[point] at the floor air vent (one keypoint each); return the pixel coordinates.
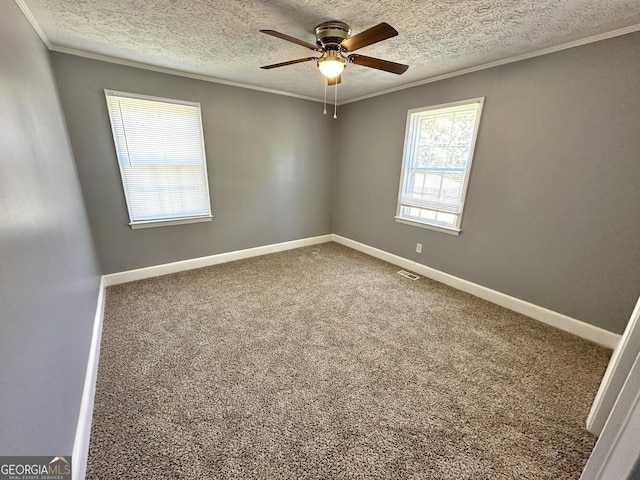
(409, 275)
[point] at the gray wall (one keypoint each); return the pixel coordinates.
(553, 208)
(48, 271)
(552, 213)
(270, 173)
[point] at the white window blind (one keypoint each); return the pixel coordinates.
(160, 150)
(437, 158)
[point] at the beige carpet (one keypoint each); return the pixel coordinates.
(324, 363)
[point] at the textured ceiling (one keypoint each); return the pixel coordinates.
(220, 39)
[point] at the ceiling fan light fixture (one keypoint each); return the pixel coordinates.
(331, 65)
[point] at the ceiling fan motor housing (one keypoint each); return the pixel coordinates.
(329, 35)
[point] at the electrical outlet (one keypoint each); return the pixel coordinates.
(419, 247)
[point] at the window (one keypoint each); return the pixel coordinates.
(438, 150)
(160, 151)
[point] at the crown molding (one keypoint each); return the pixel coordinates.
(497, 63)
(34, 23)
(171, 71)
(145, 66)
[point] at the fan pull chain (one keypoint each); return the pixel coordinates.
(324, 112)
(335, 103)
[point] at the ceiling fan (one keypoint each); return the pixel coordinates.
(335, 43)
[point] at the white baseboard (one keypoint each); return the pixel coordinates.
(563, 322)
(83, 429)
(168, 268)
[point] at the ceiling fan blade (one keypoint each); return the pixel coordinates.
(288, 38)
(380, 32)
(334, 80)
(290, 62)
(378, 64)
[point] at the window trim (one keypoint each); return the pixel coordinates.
(456, 229)
(183, 220)
(168, 223)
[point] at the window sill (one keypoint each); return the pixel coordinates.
(168, 223)
(437, 228)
